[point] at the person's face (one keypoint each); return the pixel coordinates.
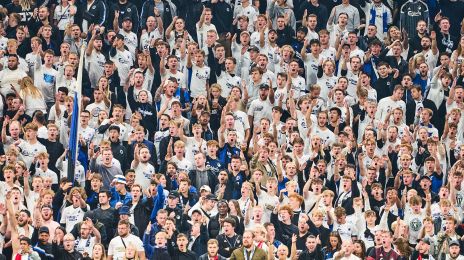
(445, 25)
(423, 247)
(72, 59)
(280, 23)
(46, 32)
(43, 237)
(12, 63)
(123, 230)
(20, 35)
(182, 243)
(300, 36)
(43, 14)
(85, 231)
(75, 32)
(46, 214)
(213, 249)
(97, 251)
(425, 43)
(342, 19)
(24, 246)
(322, 119)
(421, 27)
(103, 198)
(247, 239)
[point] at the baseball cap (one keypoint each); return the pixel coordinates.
(120, 179)
(425, 240)
(205, 188)
(454, 242)
(173, 194)
(44, 229)
(124, 210)
(211, 197)
(197, 210)
(253, 48)
(266, 86)
(302, 29)
(424, 177)
(127, 18)
(119, 36)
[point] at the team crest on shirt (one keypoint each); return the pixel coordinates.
(416, 224)
(128, 10)
(93, 7)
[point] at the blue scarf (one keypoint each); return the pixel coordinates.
(384, 18)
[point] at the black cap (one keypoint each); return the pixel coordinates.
(253, 48)
(454, 242)
(44, 229)
(265, 86)
(126, 18)
(424, 177)
(211, 197)
(272, 30)
(302, 29)
(425, 240)
(173, 194)
(119, 36)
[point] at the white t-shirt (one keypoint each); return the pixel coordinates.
(415, 224)
(117, 248)
(130, 40)
(260, 109)
(28, 151)
(386, 105)
(95, 66)
(143, 174)
(200, 77)
(123, 61)
(311, 65)
(227, 82)
(44, 80)
(85, 245)
(299, 87)
(63, 16)
(94, 110)
(71, 216)
(47, 174)
(193, 147)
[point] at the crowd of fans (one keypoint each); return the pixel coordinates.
(219, 129)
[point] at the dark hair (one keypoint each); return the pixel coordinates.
(230, 221)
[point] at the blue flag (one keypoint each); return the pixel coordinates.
(73, 139)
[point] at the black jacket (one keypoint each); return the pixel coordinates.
(125, 10)
(148, 10)
(200, 244)
(147, 111)
(214, 226)
(222, 16)
(97, 14)
(61, 254)
(142, 213)
(227, 246)
(205, 257)
(411, 110)
(212, 179)
(120, 153)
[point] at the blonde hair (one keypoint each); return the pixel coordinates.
(27, 88)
